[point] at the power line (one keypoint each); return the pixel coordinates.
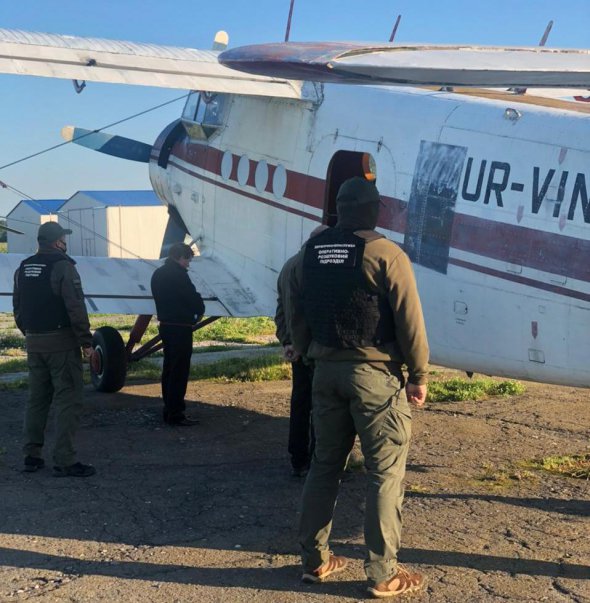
(16, 191)
(115, 123)
(81, 226)
(22, 194)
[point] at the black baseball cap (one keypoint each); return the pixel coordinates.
(51, 231)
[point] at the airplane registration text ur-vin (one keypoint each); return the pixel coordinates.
(486, 189)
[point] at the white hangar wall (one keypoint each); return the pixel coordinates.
(122, 224)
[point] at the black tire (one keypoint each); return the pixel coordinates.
(111, 360)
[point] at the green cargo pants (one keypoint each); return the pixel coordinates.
(54, 377)
(352, 398)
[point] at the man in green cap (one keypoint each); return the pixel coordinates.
(356, 313)
(49, 309)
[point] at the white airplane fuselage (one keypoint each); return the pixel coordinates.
(489, 198)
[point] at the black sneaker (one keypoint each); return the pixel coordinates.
(75, 470)
(32, 463)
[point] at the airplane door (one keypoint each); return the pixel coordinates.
(431, 208)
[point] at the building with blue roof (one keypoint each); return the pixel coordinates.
(27, 216)
(122, 224)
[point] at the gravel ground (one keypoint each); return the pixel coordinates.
(209, 513)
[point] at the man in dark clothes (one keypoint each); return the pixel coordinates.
(301, 439)
(49, 309)
(179, 307)
(301, 436)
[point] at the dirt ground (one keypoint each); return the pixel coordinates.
(209, 513)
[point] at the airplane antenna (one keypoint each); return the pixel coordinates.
(546, 34)
(394, 30)
(288, 31)
(542, 42)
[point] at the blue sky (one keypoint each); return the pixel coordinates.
(35, 109)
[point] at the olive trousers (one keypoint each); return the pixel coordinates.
(54, 378)
(352, 398)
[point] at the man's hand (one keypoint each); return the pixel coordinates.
(289, 353)
(416, 394)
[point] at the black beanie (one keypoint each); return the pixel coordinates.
(357, 191)
(357, 204)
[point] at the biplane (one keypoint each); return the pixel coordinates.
(484, 177)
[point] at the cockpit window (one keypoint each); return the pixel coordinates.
(203, 114)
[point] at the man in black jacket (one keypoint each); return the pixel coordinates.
(179, 308)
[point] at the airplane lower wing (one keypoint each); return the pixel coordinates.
(122, 286)
(100, 60)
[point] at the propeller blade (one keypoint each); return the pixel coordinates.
(110, 144)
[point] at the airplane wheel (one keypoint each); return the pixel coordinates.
(109, 368)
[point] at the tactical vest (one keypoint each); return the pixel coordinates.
(42, 310)
(341, 308)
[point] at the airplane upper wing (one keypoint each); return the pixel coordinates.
(122, 286)
(416, 65)
(100, 60)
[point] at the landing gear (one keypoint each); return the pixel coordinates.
(109, 365)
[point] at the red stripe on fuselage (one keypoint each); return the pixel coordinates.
(548, 252)
(522, 280)
(300, 187)
(243, 193)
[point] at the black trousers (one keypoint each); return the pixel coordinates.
(178, 348)
(301, 437)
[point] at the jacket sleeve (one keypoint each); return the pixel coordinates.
(16, 303)
(193, 298)
(295, 317)
(66, 283)
(283, 302)
(410, 330)
(281, 331)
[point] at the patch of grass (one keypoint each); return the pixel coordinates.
(10, 340)
(3, 247)
(417, 489)
(458, 390)
(500, 477)
(17, 365)
(238, 330)
(233, 330)
(574, 465)
(219, 347)
(144, 369)
(10, 386)
(266, 367)
(14, 352)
